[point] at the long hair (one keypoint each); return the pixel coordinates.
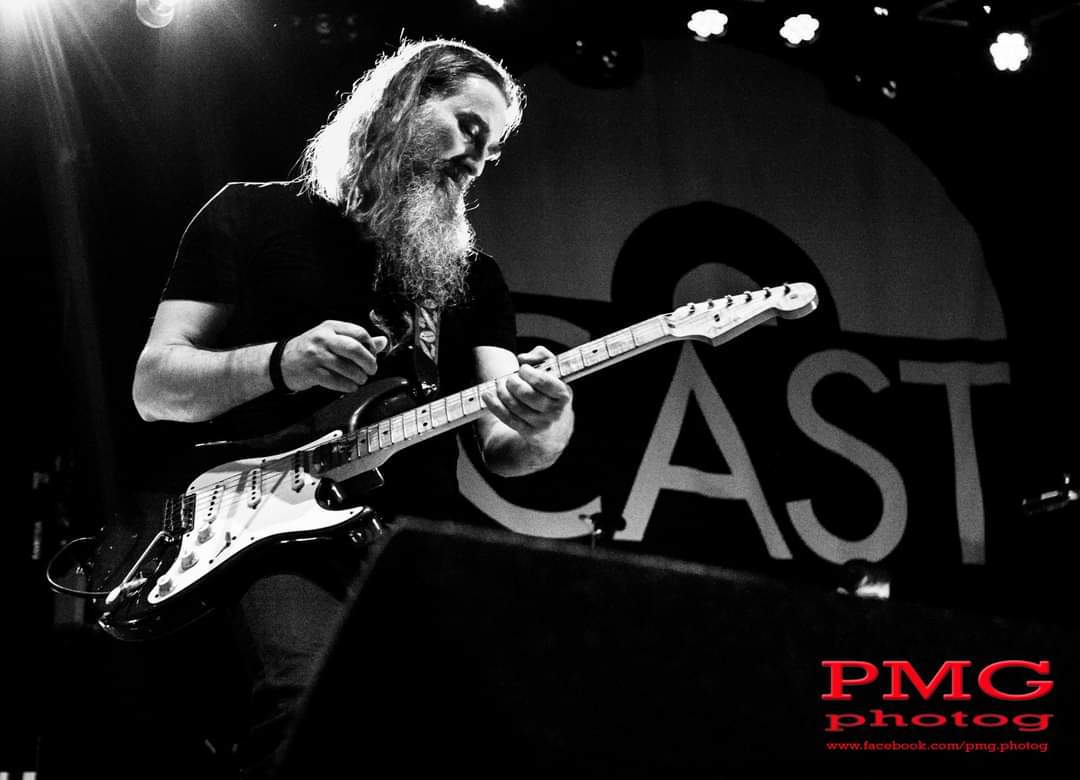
(357, 156)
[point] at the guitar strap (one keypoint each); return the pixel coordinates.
(426, 320)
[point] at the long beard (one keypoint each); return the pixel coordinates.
(426, 247)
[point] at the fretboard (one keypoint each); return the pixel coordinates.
(713, 321)
(456, 409)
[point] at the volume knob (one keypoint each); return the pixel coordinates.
(187, 560)
(204, 533)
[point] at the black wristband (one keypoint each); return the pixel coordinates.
(276, 379)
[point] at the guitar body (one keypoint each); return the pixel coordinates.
(170, 561)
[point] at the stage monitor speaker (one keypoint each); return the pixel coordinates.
(483, 652)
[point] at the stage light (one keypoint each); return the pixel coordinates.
(880, 10)
(18, 7)
(606, 57)
(1010, 51)
(708, 24)
(868, 87)
(155, 13)
(352, 28)
(324, 29)
(14, 11)
(799, 29)
(494, 5)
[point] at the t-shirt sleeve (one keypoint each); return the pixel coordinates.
(489, 317)
(211, 252)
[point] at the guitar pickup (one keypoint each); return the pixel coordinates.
(254, 488)
(299, 467)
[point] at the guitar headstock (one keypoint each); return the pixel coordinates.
(719, 319)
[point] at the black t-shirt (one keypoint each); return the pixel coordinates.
(286, 261)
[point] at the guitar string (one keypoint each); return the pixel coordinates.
(708, 309)
(234, 482)
(230, 487)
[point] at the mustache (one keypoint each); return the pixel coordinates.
(450, 177)
(437, 170)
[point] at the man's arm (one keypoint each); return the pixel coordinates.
(532, 415)
(181, 377)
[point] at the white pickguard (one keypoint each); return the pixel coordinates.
(240, 503)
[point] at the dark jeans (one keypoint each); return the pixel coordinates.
(282, 624)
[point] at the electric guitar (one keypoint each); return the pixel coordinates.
(285, 487)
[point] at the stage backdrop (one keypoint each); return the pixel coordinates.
(875, 428)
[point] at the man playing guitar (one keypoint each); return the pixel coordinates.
(284, 295)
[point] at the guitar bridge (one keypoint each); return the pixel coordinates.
(178, 516)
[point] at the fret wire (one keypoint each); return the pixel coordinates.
(409, 423)
(594, 352)
(483, 388)
(454, 407)
(571, 362)
(647, 332)
(470, 401)
(620, 342)
(423, 418)
(438, 413)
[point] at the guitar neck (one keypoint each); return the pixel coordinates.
(456, 409)
(713, 321)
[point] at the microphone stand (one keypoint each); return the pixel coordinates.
(604, 525)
